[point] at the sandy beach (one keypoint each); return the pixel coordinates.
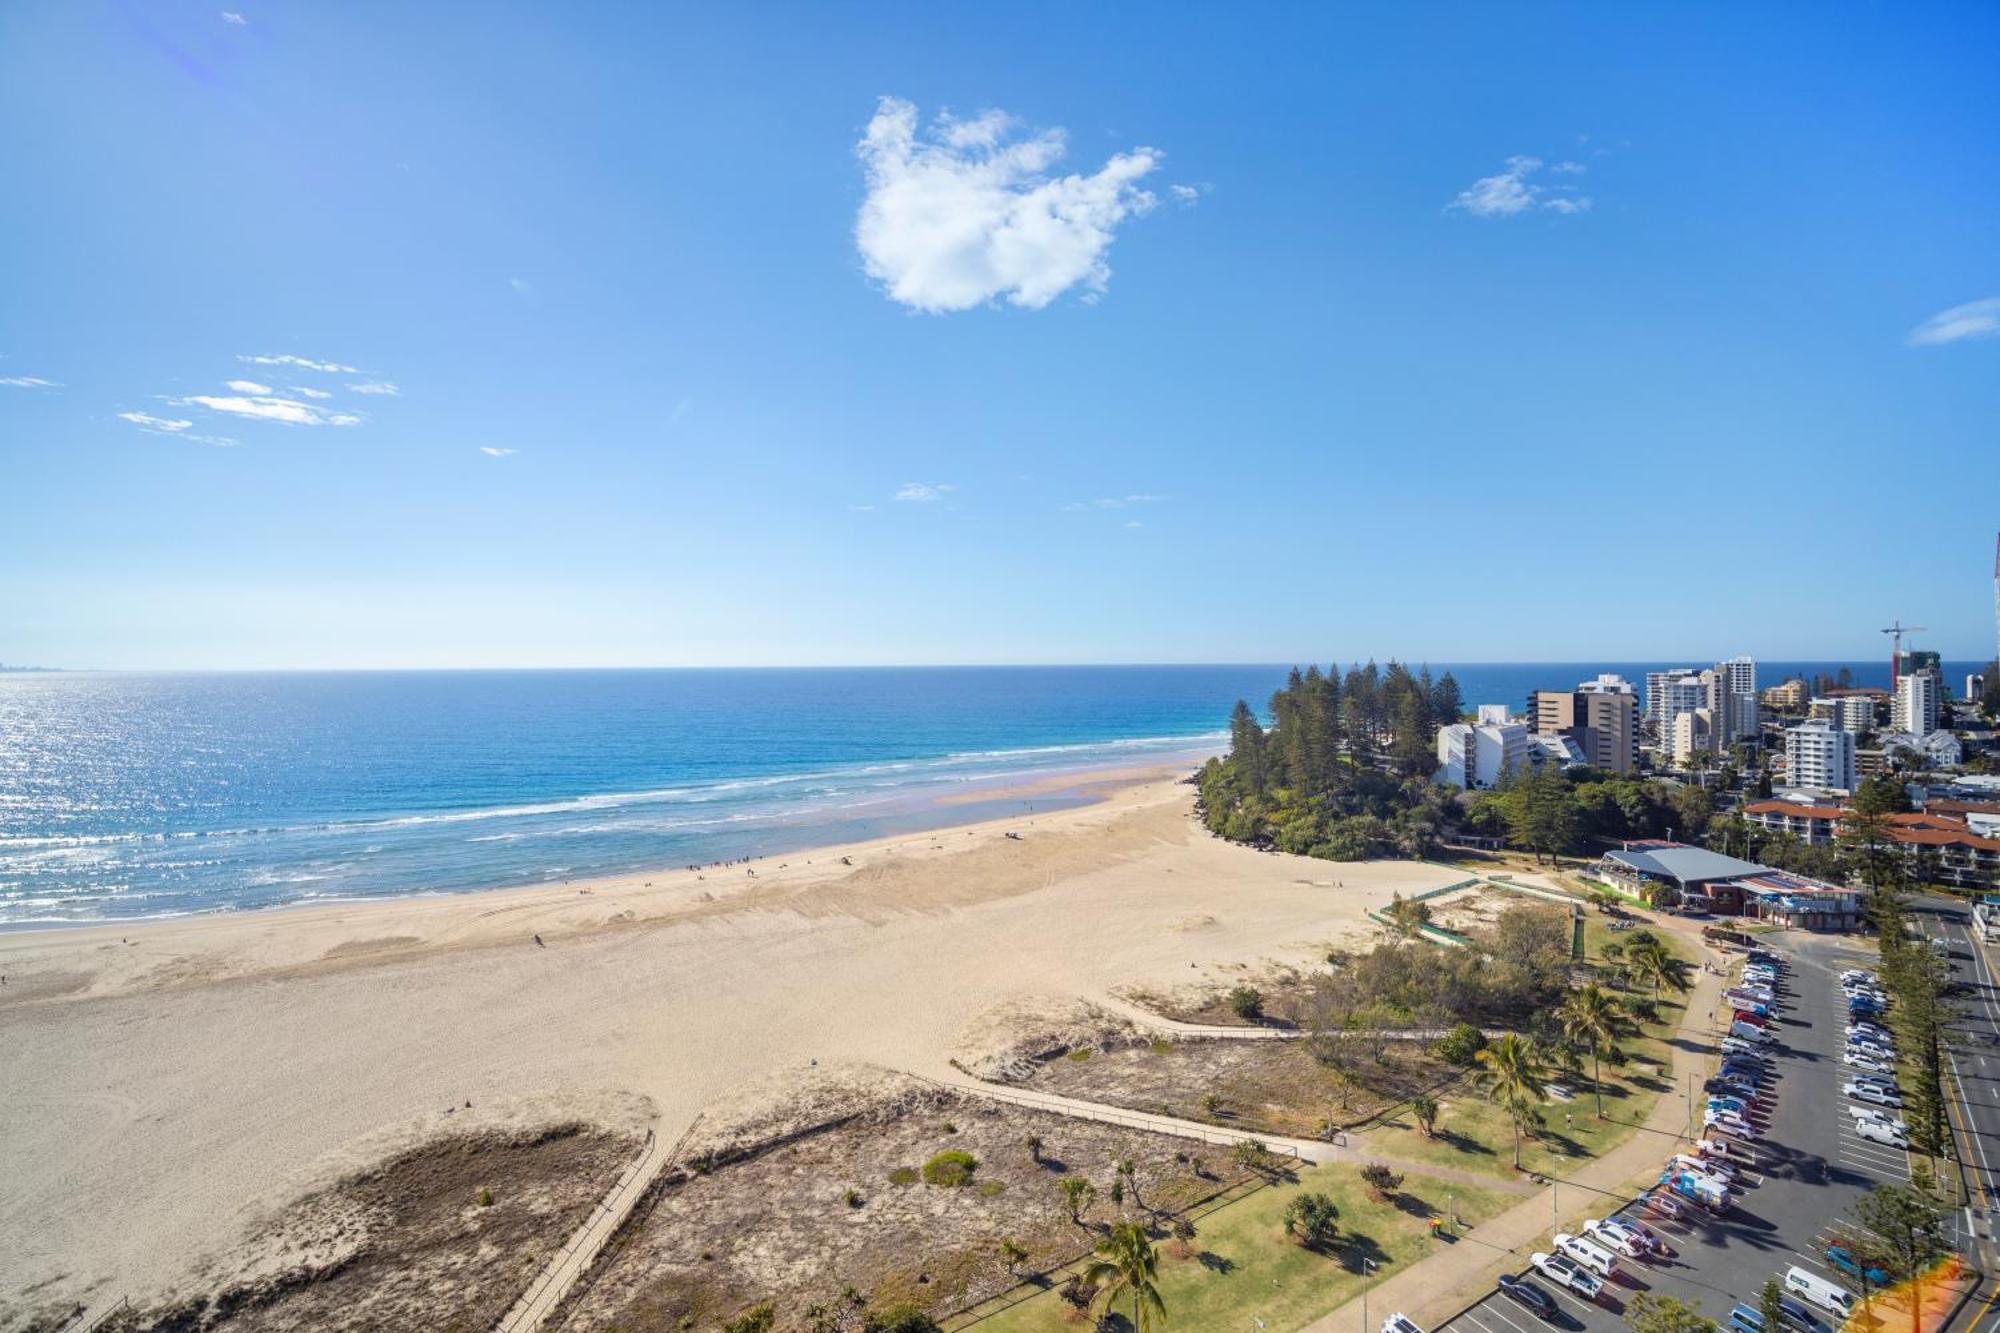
(168, 1083)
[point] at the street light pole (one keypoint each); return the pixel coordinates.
(1367, 1267)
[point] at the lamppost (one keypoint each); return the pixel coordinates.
(1367, 1267)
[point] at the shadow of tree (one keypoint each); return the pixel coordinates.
(1215, 1263)
(1358, 1249)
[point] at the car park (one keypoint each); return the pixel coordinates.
(1589, 1253)
(1526, 1294)
(1567, 1272)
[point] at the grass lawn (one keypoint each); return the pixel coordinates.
(1243, 1264)
(1474, 1135)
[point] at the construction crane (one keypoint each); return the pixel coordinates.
(1898, 630)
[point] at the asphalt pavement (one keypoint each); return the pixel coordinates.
(1807, 1169)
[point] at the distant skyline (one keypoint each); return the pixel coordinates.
(633, 336)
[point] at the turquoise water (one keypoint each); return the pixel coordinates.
(150, 795)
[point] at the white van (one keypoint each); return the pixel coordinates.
(1750, 1032)
(1826, 1295)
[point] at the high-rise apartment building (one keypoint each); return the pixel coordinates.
(1733, 700)
(1819, 754)
(1476, 755)
(1849, 712)
(1600, 716)
(1915, 707)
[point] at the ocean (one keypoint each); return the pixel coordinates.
(128, 796)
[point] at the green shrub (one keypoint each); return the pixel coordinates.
(950, 1167)
(989, 1188)
(1462, 1045)
(903, 1175)
(1080, 1053)
(485, 1197)
(757, 1319)
(1247, 1003)
(903, 1319)
(1312, 1220)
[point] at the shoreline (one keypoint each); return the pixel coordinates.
(673, 891)
(911, 813)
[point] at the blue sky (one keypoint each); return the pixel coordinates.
(1193, 335)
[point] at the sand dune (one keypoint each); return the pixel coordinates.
(166, 1083)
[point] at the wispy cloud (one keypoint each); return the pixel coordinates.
(1974, 319)
(493, 451)
(151, 422)
(1117, 502)
(1134, 523)
(231, 16)
(380, 388)
(923, 492)
(1511, 192)
(269, 407)
(300, 363)
(175, 428)
(966, 212)
(250, 386)
(28, 382)
(1187, 196)
(304, 392)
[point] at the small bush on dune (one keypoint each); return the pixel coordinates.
(950, 1167)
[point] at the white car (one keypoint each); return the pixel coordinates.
(1738, 1046)
(1400, 1323)
(1728, 1124)
(1876, 1115)
(1615, 1235)
(1857, 1060)
(1868, 1092)
(1890, 1132)
(1588, 1253)
(1567, 1272)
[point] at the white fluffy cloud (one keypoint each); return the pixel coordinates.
(923, 492)
(250, 386)
(1974, 319)
(1511, 192)
(965, 212)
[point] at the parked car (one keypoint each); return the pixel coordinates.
(1526, 1294)
(1616, 1235)
(1400, 1323)
(1890, 1134)
(1567, 1272)
(1868, 1092)
(1588, 1253)
(1663, 1204)
(1841, 1256)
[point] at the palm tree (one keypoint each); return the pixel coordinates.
(1511, 1070)
(1590, 1017)
(1652, 962)
(1125, 1266)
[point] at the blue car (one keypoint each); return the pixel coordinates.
(1843, 1259)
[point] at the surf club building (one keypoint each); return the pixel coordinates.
(1694, 880)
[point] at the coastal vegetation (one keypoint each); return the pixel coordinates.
(1344, 771)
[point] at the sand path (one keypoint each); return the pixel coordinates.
(162, 1091)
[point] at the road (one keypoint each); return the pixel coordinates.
(1808, 1170)
(1975, 1059)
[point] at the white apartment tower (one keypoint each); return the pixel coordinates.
(1915, 708)
(1819, 754)
(1476, 755)
(1734, 700)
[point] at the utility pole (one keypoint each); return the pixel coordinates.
(1367, 1267)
